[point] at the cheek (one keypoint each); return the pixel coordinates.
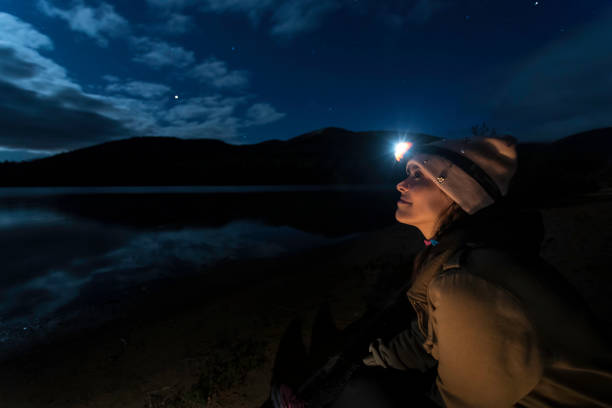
(438, 202)
(420, 211)
(433, 202)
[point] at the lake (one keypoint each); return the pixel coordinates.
(69, 249)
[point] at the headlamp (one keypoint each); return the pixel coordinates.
(401, 149)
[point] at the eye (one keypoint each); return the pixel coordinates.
(416, 174)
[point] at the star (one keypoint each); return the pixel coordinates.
(536, 3)
(175, 96)
(233, 48)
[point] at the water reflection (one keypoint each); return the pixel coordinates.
(64, 253)
(66, 259)
(16, 217)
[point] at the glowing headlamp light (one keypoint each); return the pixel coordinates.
(401, 149)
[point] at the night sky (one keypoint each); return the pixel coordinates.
(81, 72)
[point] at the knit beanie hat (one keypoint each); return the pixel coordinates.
(473, 172)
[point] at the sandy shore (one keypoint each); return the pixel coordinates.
(210, 340)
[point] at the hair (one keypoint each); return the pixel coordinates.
(449, 218)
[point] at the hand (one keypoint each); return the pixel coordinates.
(370, 360)
(373, 359)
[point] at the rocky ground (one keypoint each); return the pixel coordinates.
(210, 341)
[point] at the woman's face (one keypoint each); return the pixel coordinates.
(421, 202)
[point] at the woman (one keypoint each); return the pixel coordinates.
(500, 327)
(495, 324)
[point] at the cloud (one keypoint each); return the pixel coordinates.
(139, 116)
(253, 8)
(98, 23)
(423, 10)
(146, 90)
(215, 73)
(20, 60)
(12, 67)
(224, 128)
(7, 154)
(23, 66)
(40, 106)
(203, 108)
(287, 18)
(158, 54)
(563, 89)
(21, 34)
(110, 78)
(43, 110)
(170, 4)
(168, 22)
(31, 121)
(177, 24)
(301, 15)
(400, 14)
(211, 117)
(216, 117)
(262, 113)
(28, 69)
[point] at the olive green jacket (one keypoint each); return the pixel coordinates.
(503, 330)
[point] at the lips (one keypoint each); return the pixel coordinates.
(401, 201)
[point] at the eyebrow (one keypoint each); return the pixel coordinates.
(412, 167)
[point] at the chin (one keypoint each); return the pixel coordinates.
(404, 218)
(399, 218)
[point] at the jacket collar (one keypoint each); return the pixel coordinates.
(432, 259)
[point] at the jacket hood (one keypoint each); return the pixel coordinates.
(502, 226)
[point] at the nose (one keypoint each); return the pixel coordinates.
(402, 186)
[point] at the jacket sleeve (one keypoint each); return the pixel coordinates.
(487, 349)
(404, 351)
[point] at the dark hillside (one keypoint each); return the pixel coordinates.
(574, 165)
(326, 156)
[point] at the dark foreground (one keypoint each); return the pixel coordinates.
(210, 341)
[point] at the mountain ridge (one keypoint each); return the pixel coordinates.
(324, 156)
